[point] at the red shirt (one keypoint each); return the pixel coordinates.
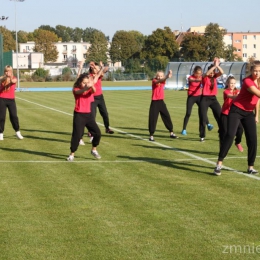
(246, 100)
(157, 90)
(98, 87)
(194, 87)
(227, 100)
(206, 91)
(83, 101)
(9, 93)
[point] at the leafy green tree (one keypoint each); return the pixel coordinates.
(140, 39)
(44, 42)
(193, 48)
(88, 34)
(160, 43)
(123, 46)
(8, 40)
(48, 28)
(77, 34)
(230, 55)
(98, 49)
(65, 33)
(215, 41)
(22, 36)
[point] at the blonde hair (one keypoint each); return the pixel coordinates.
(7, 68)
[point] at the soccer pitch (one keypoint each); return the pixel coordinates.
(142, 200)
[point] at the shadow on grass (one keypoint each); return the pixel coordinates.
(30, 152)
(45, 131)
(172, 164)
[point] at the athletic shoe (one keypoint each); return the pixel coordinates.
(151, 139)
(81, 142)
(91, 139)
(70, 158)
(210, 127)
(252, 171)
(95, 154)
(239, 147)
(217, 170)
(202, 139)
(183, 132)
(109, 131)
(174, 136)
(19, 136)
(1, 137)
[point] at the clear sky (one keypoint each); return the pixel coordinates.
(144, 16)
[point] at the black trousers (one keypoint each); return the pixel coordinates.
(9, 104)
(101, 105)
(205, 103)
(159, 107)
(191, 100)
(80, 120)
(247, 119)
(223, 130)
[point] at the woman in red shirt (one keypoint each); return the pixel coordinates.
(208, 98)
(7, 101)
(194, 96)
(242, 110)
(83, 90)
(158, 106)
(229, 94)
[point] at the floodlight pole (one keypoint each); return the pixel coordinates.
(16, 41)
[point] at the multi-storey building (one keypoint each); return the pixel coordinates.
(246, 43)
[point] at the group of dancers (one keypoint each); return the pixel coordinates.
(238, 114)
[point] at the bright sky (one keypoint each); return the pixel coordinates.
(144, 16)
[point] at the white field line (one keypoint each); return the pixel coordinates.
(155, 143)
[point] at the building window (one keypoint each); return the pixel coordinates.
(245, 46)
(64, 47)
(85, 47)
(238, 50)
(74, 56)
(245, 37)
(74, 47)
(65, 57)
(27, 48)
(85, 56)
(254, 46)
(245, 55)
(254, 55)
(254, 37)
(74, 65)
(237, 41)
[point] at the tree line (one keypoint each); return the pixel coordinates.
(136, 52)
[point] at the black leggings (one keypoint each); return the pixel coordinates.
(223, 130)
(80, 120)
(159, 107)
(191, 100)
(6, 103)
(205, 103)
(247, 119)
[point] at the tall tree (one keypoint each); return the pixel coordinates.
(214, 36)
(44, 43)
(77, 34)
(63, 32)
(230, 55)
(123, 46)
(140, 39)
(160, 43)
(8, 41)
(98, 49)
(193, 48)
(47, 28)
(88, 34)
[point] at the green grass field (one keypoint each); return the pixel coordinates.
(142, 200)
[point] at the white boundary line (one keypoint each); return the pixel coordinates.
(155, 143)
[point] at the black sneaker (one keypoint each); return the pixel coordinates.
(217, 171)
(108, 131)
(252, 171)
(174, 136)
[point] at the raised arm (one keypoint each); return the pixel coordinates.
(80, 68)
(168, 75)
